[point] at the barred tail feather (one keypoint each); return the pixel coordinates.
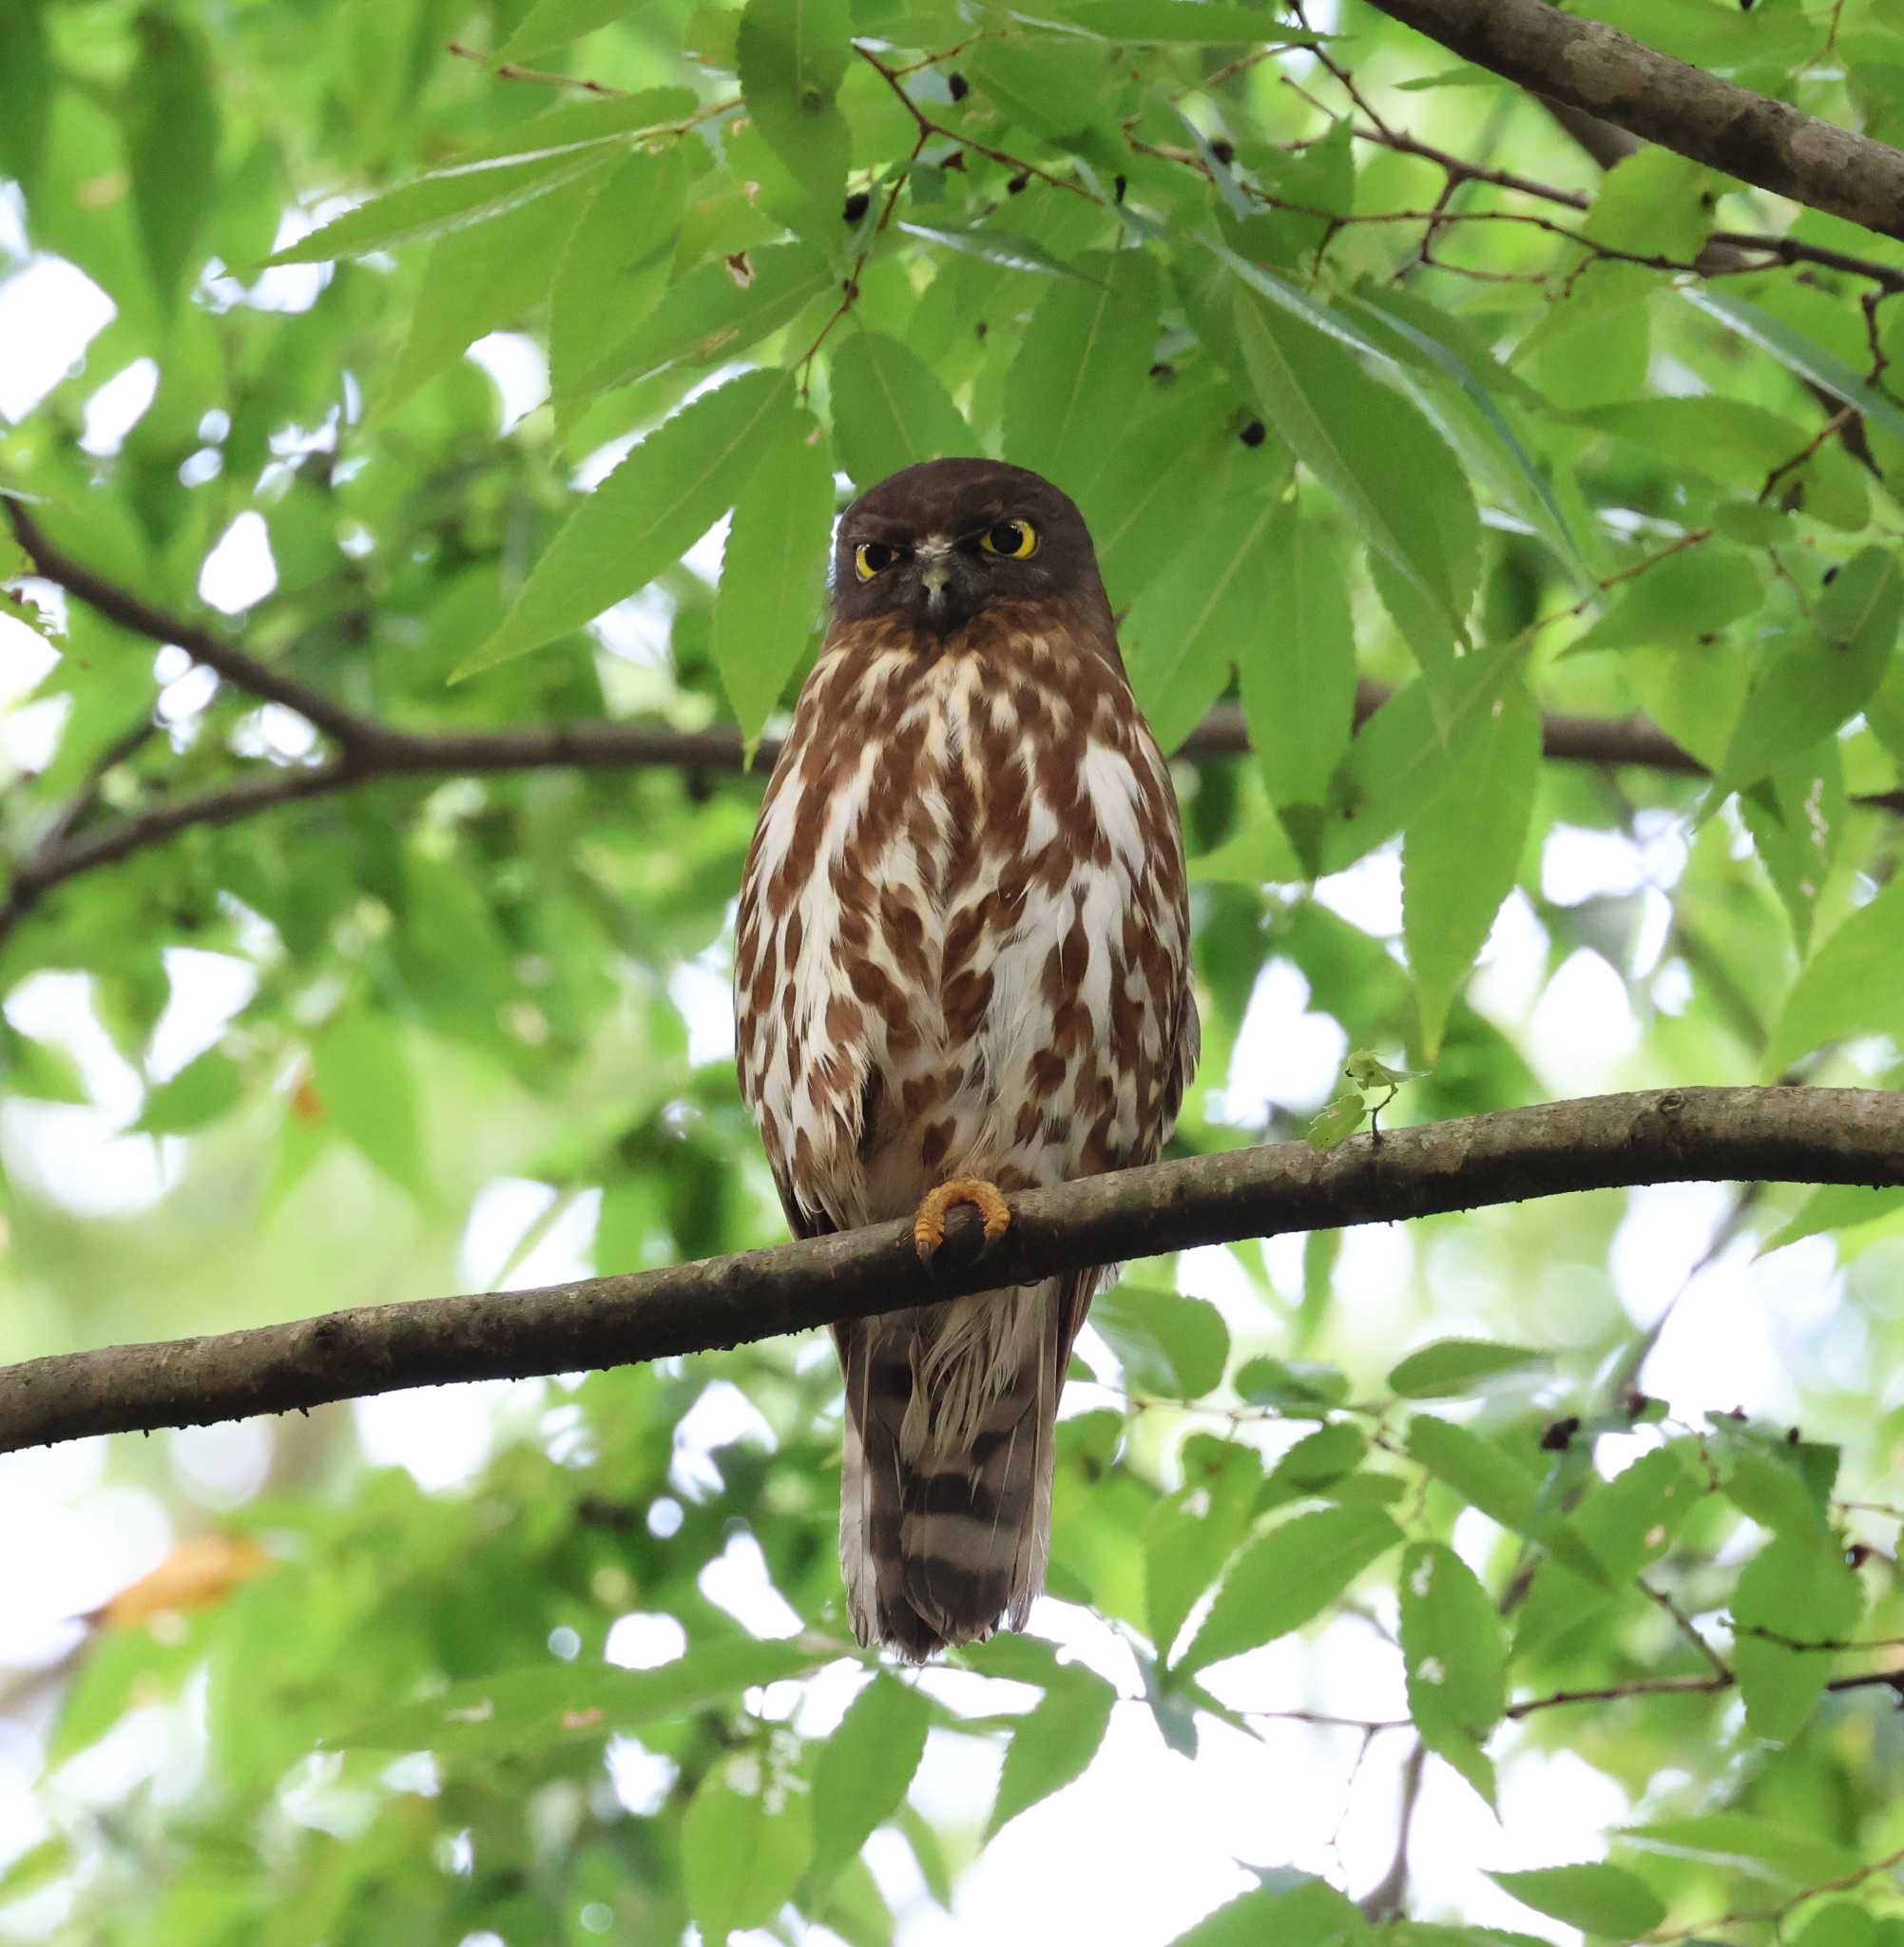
(946, 1485)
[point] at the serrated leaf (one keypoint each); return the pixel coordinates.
(1319, 1462)
(1082, 358)
(1297, 681)
(549, 23)
(865, 1766)
(1371, 449)
(1288, 1576)
(1052, 1743)
(1004, 249)
(1596, 1899)
(1188, 1536)
(1652, 204)
(791, 56)
(1451, 1367)
(1835, 1206)
(1798, 1586)
(1336, 1121)
(715, 312)
(1309, 1914)
(1488, 1477)
(1049, 91)
(662, 497)
(1167, 1342)
(1185, 628)
(773, 574)
(1811, 690)
(1682, 599)
(1849, 985)
(201, 1090)
(550, 1703)
(1298, 1385)
(1455, 1657)
(1768, 1848)
(745, 1838)
(1798, 351)
(1462, 850)
(614, 265)
(440, 204)
(890, 410)
(1157, 22)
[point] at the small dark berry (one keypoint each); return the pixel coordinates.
(980, 329)
(1118, 185)
(1224, 150)
(957, 86)
(1556, 1438)
(1016, 185)
(1162, 372)
(1829, 576)
(1253, 434)
(856, 206)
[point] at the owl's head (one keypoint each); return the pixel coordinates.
(939, 543)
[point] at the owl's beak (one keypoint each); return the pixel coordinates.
(934, 573)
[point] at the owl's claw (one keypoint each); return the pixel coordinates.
(929, 1226)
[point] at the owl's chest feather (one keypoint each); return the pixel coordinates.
(950, 911)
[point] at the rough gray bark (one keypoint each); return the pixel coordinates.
(1605, 73)
(1674, 1135)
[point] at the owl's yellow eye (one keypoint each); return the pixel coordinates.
(1015, 540)
(870, 558)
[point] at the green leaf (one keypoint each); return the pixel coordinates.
(478, 279)
(1052, 1743)
(865, 1766)
(1450, 1368)
(1299, 685)
(1298, 1387)
(1768, 1848)
(1082, 357)
(1652, 204)
(792, 57)
(1462, 851)
(1165, 1342)
(715, 312)
(171, 146)
(773, 575)
(1004, 249)
(39, 1069)
(1310, 1914)
(1799, 352)
(549, 23)
(890, 410)
(1490, 1479)
(1373, 451)
(1155, 23)
(662, 497)
(1189, 1534)
(1456, 1656)
(362, 1078)
(1049, 91)
(1185, 628)
(1835, 1206)
(1318, 1464)
(1596, 1899)
(1400, 756)
(551, 1703)
(452, 199)
(1810, 691)
(1288, 1576)
(1336, 1121)
(1682, 598)
(200, 1092)
(1849, 985)
(614, 265)
(745, 1838)
(1155, 484)
(1798, 1586)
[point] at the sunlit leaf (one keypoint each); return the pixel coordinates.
(864, 1769)
(1597, 1898)
(890, 410)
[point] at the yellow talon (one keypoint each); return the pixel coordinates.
(929, 1226)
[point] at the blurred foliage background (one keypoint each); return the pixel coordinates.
(1554, 1543)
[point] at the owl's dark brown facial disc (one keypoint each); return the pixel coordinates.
(916, 545)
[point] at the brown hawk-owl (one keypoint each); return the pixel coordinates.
(962, 966)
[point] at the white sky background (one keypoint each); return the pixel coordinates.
(1147, 1841)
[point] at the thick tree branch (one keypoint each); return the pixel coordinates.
(1675, 1135)
(1605, 73)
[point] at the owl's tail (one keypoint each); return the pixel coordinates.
(945, 1516)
